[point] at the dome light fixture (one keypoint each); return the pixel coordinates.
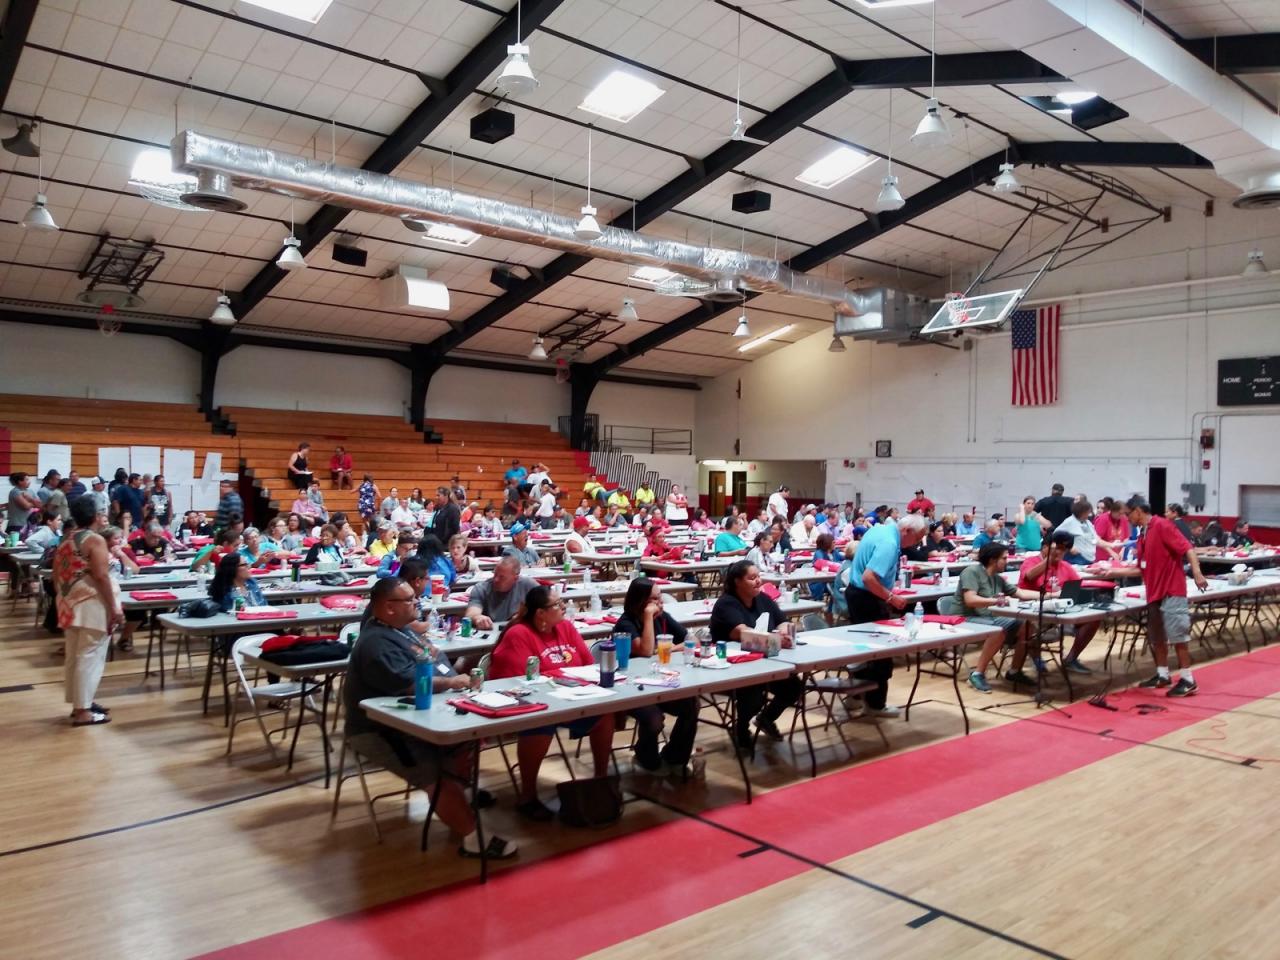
(222, 314)
(1006, 182)
(628, 311)
(291, 257)
(588, 227)
(932, 130)
(539, 352)
(889, 198)
(743, 328)
(517, 76)
(39, 217)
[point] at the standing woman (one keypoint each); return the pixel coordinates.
(88, 610)
(677, 508)
(1031, 526)
(299, 471)
(367, 502)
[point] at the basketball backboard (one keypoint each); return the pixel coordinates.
(967, 313)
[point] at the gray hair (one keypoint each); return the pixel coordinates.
(912, 522)
(993, 524)
(511, 560)
(154, 527)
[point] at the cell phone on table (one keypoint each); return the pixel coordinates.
(406, 700)
(570, 682)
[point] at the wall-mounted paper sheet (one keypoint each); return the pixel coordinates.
(144, 460)
(179, 466)
(212, 466)
(53, 456)
(111, 459)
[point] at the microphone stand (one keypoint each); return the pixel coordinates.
(1039, 698)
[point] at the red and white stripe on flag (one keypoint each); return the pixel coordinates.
(1034, 354)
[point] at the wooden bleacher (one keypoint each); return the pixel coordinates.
(479, 452)
(87, 424)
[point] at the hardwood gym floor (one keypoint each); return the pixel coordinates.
(1086, 834)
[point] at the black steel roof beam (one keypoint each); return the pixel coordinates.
(460, 83)
(1250, 53)
(930, 198)
(16, 27)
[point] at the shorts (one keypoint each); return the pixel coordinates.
(577, 728)
(422, 771)
(1173, 624)
(1010, 625)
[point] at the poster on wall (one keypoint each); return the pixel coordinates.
(179, 466)
(111, 459)
(144, 460)
(53, 456)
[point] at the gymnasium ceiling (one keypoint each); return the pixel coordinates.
(111, 78)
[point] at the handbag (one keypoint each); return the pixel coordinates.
(199, 609)
(590, 801)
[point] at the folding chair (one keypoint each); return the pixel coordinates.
(369, 799)
(286, 691)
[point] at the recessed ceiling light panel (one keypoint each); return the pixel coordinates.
(836, 167)
(309, 10)
(620, 96)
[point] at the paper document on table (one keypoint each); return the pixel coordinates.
(578, 693)
(494, 700)
(590, 674)
(762, 623)
(821, 641)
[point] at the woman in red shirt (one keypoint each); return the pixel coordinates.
(540, 630)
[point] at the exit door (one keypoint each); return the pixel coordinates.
(739, 488)
(715, 479)
(1156, 489)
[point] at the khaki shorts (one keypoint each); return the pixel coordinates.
(1171, 622)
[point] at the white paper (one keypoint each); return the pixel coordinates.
(179, 466)
(762, 623)
(144, 460)
(212, 466)
(578, 693)
(53, 456)
(494, 700)
(111, 459)
(822, 641)
(204, 496)
(179, 497)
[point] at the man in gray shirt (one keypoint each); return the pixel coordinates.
(496, 600)
(519, 548)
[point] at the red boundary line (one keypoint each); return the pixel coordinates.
(585, 900)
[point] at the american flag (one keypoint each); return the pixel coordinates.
(1035, 355)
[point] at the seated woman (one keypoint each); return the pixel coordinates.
(824, 549)
(294, 533)
(439, 563)
(1051, 570)
(981, 590)
(464, 563)
(737, 610)
(781, 533)
(273, 538)
(643, 619)
(595, 519)
(304, 507)
(328, 547)
(701, 521)
(233, 580)
(251, 547)
(348, 539)
(299, 472)
(393, 562)
(385, 542)
(730, 542)
(224, 542)
(340, 467)
(761, 552)
(540, 630)
(657, 546)
(948, 521)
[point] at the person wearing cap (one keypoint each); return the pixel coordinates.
(921, 503)
(576, 541)
(98, 491)
(519, 547)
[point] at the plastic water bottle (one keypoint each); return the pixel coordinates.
(917, 618)
(593, 603)
(946, 575)
(586, 575)
(433, 619)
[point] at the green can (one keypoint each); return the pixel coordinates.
(531, 668)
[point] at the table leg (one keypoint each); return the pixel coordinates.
(906, 713)
(297, 726)
(804, 723)
(324, 726)
(956, 660)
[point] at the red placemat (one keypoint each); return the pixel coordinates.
(514, 710)
(267, 615)
(342, 601)
(152, 595)
(745, 657)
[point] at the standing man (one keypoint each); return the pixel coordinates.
(1161, 552)
(99, 494)
(1055, 508)
(447, 522)
(229, 503)
(870, 595)
(777, 505)
(129, 499)
(921, 504)
(78, 489)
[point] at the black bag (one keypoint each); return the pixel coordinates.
(300, 654)
(200, 609)
(590, 801)
(337, 579)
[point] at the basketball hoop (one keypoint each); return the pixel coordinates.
(961, 309)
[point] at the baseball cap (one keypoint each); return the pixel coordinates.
(93, 482)
(519, 527)
(580, 523)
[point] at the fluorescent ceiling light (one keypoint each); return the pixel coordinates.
(620, 96)
(451, 235)
(654, 275)
(836, 167)
(1073, 97)
(765, 338)
(308, 10)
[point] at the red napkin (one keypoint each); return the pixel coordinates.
(658, 580)
(677, 562)
(459, 597)
(952, 619)
(823, 565)
(358, 583)
(145, 561)
(267, 614)
(594, 621)
(342, 601)
(199, 541)
(745, 657)
(1241, 553)
(1133, 593)
(152, 595)
(925, 581)
(891, 623)
(770, 591)
(258, 571)
(899, 592)
(310, 541)
(470, 706)
(539, 536)
(1097, 584)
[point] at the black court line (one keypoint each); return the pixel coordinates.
(862, 882)
(921, 920)
(180, 815)
(20, 688)
(754, 851)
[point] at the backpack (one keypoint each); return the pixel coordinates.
(839, 606)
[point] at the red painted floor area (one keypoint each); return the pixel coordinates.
(572, 904)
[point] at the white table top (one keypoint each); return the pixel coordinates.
(304, 615)
(860, 642)
(710, 565)
(1229, 559)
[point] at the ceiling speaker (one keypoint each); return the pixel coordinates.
(751, 201)
(349, 254)
(493, 125)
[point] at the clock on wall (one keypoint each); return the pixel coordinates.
(884, 448)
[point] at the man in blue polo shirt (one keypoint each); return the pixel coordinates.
(870, 595)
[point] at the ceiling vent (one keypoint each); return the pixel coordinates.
(213, 192)
(1263, 193)
(407, 288)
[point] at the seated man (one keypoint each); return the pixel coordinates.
(730, 543)
(192, 526)
(644, 495)
(496, 600)
(991, 531)
(1059, 571)
(340, 467)
(966, 526)
(383, 662)
(620, 500)
(980, 590)
(805, 533)
(519, 548)
(151, 542)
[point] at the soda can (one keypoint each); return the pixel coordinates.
(238, 604)
(477, 678)
(531, 668)
(466, 626)
(722, 650)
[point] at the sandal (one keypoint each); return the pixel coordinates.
(496, 849)
(95, 719)
(125, 645)
(535, 810)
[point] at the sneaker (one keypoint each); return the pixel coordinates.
(885, 712)
(768, 728)
(1155, 681)
(1017, 676)
(1075, 666)
(1183, 688)
(854, 706)
(979, 682)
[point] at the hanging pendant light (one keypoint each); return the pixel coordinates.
(1006, 182)
(222, 314)
(890, 198)
(588, 227)
(21, 144)
(517, 76)
(744, 328)
(39, 217)
(628, 311)
(932, 130)
(539, 352)
(1254, 266)
(291, 257)
(837, 345)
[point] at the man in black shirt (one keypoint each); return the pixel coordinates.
(447, 521)
(382, 664)
(1055, 508)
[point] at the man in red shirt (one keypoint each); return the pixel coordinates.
(921, 504)
(1161, 551)
(1059, 571)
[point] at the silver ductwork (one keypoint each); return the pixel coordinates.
(270, 171)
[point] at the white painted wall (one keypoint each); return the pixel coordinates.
(55, 361)
(627, 404)
(281, 379)
(465, 393)
(678, 468)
